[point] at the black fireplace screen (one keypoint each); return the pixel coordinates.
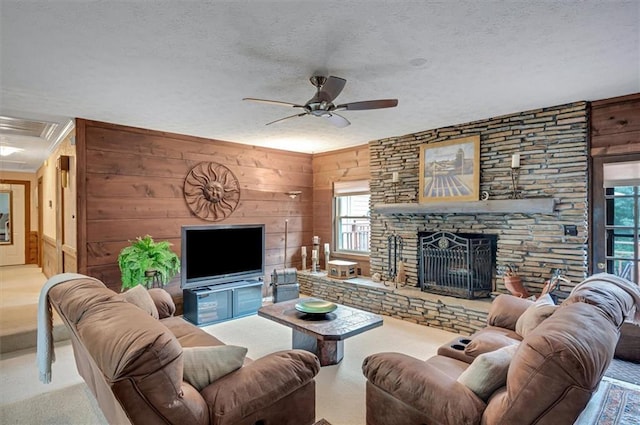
(455, 265)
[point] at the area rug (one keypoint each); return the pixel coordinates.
(615, 403)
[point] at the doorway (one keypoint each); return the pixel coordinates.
(616, 216)
(16, 211)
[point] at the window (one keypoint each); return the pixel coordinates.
(352, 229)
(622, 222)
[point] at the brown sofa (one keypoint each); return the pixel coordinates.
(133, 364)
(550, 378)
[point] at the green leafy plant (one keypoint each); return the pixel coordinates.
(142, 259)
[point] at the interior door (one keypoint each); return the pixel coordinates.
(13, 253)
(616, 216)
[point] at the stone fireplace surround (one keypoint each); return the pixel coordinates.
(553, 147)
(406, 303)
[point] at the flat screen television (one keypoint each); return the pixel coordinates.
(217, 254)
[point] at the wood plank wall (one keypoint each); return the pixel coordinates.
(49, 256)
(130, 183)
(32, 243)
(615, 126)
(342, 165)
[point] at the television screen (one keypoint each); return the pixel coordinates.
(216, 254)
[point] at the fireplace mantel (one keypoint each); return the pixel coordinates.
(522, 206)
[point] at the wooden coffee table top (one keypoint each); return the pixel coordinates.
(338, 325)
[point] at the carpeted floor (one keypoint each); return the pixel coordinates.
(340, 388)
(624, 371)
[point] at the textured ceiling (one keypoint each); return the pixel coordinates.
(184, 66)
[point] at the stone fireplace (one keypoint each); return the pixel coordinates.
(553, 147)
(460, 265)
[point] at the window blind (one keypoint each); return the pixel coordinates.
(619, 174)
(350, 187)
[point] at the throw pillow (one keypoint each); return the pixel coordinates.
(203, 365)
(163, 302)
(488, 371)
(535, 314)
(486, 342)
(139, 296)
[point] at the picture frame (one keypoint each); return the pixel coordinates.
(450, 170)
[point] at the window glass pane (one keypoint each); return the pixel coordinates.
(625, 190)
(622, 212)
(353, 231)
(622, 243)
(625, 268)
(357, 205)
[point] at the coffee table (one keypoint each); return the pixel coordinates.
(322, 335)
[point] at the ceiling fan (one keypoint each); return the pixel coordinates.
(321, 104)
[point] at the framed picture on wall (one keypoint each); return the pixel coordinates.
(450, 170)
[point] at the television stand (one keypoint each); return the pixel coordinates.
(216, 303)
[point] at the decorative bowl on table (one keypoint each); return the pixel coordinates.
(315, 306)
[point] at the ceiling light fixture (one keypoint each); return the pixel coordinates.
(293, 194)
(8, 150)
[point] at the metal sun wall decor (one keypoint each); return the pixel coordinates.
(212, 191)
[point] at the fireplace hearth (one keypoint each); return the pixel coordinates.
(460, 265)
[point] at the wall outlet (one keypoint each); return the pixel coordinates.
(570, 230)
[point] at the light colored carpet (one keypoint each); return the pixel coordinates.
(340, 388)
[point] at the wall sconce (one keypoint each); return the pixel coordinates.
(515, 174)
(395, 181)
(64, 165)
(293, 194)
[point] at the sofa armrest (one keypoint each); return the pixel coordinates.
(425, 387)
(505, 311)
(260, 384)
(163, 301)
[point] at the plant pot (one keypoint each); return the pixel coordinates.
(515, 287)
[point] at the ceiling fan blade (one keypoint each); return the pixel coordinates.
(369, 104)
(286, 118)
(332, 88)
(273, 102)
(338, 120)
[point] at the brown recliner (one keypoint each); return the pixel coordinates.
(552, 375)
(133, 364)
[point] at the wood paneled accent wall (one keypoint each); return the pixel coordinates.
(32, 243)
(342, 165)
(130, 183)
(615, 126)
(49, 256)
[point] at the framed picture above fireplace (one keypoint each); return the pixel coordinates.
(450, 170)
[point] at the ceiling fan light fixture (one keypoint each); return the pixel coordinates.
(321, 104)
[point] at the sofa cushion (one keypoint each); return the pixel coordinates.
(486, 342)
(535, 314)
(139, 296)
(204, 365)
(189, 335)
(163, 302)
(488, 372)
(505, 311)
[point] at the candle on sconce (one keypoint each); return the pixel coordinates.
(395, 177)
(515, 160)
(316, 240)
(304, 251)
(326, 247)
(314, 254)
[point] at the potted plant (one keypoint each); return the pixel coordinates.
(145, 260)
